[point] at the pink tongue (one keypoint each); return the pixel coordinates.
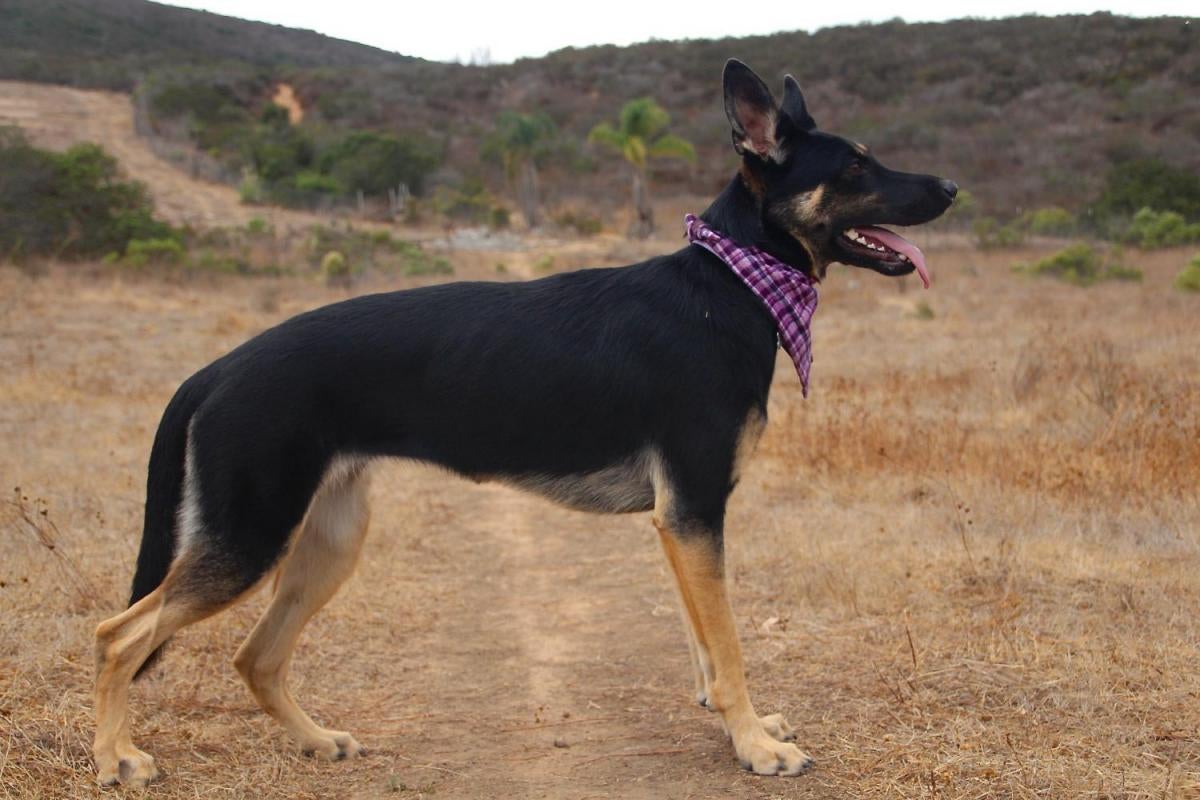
(900, 245)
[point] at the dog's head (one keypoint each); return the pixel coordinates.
(825, 193)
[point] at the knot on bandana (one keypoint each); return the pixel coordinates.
(789, 295)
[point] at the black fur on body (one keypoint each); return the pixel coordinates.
(596, 388)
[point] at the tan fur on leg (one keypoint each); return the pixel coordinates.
(322, 556)
(701, 663)
(122, 644)
(699, 572)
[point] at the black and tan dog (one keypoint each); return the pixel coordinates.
(642, 388)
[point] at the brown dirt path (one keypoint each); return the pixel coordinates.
(57, 117)
(555, 667)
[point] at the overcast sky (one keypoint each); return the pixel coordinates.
(454, 30)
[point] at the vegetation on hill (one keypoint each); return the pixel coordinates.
(114, 43)
(72, 204)
(1025, 113)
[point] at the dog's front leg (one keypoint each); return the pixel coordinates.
(696, 559)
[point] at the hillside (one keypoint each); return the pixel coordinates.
(1023, 112)
(111, 44)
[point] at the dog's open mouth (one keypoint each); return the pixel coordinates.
(888, 249)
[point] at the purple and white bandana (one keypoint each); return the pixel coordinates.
(789, 295)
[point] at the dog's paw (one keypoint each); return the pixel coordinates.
(133, 769)
(333, 746)
(775, 726)
(764, 755)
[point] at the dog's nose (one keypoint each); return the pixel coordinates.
(949, 187)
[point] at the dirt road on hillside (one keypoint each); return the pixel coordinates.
(57, 117)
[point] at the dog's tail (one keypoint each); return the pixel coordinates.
(164, 491)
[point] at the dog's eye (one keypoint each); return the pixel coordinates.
(857, 167)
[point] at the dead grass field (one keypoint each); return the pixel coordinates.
(967, 567)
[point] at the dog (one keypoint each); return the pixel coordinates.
(631, 389)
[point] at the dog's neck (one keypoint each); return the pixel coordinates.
(738, 213)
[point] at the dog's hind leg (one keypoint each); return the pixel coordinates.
(696, 559)
(322, 556)
(194, 588)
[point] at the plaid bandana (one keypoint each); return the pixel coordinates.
(789, 295)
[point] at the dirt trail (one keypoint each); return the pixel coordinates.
(58, 117)
(558, 643)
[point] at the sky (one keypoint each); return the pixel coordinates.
(497, 32)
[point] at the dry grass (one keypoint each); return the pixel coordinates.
(966, 567)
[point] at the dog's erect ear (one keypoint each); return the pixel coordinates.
(752, 113)
(794, 107)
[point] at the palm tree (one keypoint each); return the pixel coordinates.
(518, 141)
(639, 137)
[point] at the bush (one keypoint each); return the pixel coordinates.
(1052, 221)
(356, 251)
(1150, 228)
(315, 182)
(470, 204)
(276, 151)
(1150, 183)
(335, 268)
(990, 234)
(1081, 265)
(154, 252)
(69, 204)
(375, 162)
(251, 190)
(1188, 279)
(257, 226)
(415, 261)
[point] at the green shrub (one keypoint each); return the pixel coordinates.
(154, 252)
(471, 204)
(313, 181)
(70, 204)
(335, 268)
(1150, 228)
(413, 260)
(1081, 265)
(1188, 279)
(1052, 221)
(257, 226)
(375, 162)
(1150, 183)
(276, 151)
(361, 250)
(355, 246)
(251, 190)
(211, 261)
(990, 234)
